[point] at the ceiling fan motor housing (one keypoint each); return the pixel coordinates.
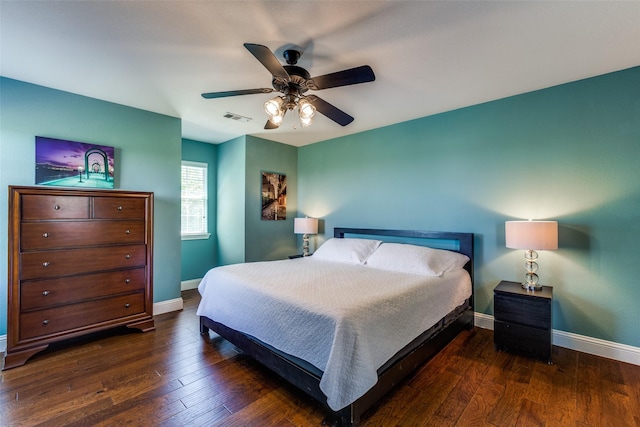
(297, 82)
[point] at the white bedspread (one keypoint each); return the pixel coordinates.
(347, 320)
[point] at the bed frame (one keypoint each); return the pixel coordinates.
(394, 371)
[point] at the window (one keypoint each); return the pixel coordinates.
(194, 201)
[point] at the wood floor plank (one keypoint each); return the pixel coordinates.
(516, 377)
(211, 405)
(394, 407)
(152, 413)
(50, 404)
(174, 376)
(531, 414)
(505, 412)
(77, 415)
(435, 389)
(589, 398)
(631, 375)
(560, 406)
(171, 393)
(617, 403)
(481, 404)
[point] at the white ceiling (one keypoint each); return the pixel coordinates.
(428, 56)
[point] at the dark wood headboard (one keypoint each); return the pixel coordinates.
(465, 240)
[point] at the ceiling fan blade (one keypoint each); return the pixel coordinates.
(332, 112)
(269, 60)
(351, 76)
(211, 95)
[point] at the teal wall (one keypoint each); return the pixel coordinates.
(198, 256)
(242, 235)
(230, 214)
(147, 155)
(269, 240)
(568, 153)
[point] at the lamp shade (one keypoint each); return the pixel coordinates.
(535, 235)
(305, 225)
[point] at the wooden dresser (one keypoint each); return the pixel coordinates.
(79, 261)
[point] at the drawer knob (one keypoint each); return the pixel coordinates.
(45, 293)
(119, 208)
(127, 232)
(56, 207)
(45, 322)
(127, 281)
(45, 235)
(45, 264)
(127, 305)
(127, 256)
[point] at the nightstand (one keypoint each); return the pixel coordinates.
(522, 320)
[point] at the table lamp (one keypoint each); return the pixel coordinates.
(305, 226)
(531, 236)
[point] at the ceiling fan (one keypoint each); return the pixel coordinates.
(293, 82)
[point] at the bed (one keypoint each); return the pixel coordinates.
(350, 322)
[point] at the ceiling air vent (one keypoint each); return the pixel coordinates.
(237, 117)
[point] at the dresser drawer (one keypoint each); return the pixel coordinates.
(530, 311)
(118, 207)
(69, 317)
(53, 292)
(65, 234)
(54, 207)
(70, 262)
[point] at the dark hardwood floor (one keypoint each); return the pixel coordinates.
(176, 377)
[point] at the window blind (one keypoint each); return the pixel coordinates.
(194, 198)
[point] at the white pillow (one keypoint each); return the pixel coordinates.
(349, 250)
(416, 259)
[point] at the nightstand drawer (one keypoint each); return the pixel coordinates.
(531, 311)
(522, 339)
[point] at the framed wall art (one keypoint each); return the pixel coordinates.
(73, 164)
(274, 196)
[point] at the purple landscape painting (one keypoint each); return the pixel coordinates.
(73, 164)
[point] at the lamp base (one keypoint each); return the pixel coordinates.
(305, 245)
(531, 287)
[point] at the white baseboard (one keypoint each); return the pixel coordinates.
(167, 306)
(610, 350)
(483, 321)
(176, 304)
(186, 285)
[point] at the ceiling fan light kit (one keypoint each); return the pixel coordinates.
(293, 81)
(277, 107)
(274, 106)
(306, 109)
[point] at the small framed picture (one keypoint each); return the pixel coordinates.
(274, 196)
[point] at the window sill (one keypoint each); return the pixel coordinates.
(203, 236)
